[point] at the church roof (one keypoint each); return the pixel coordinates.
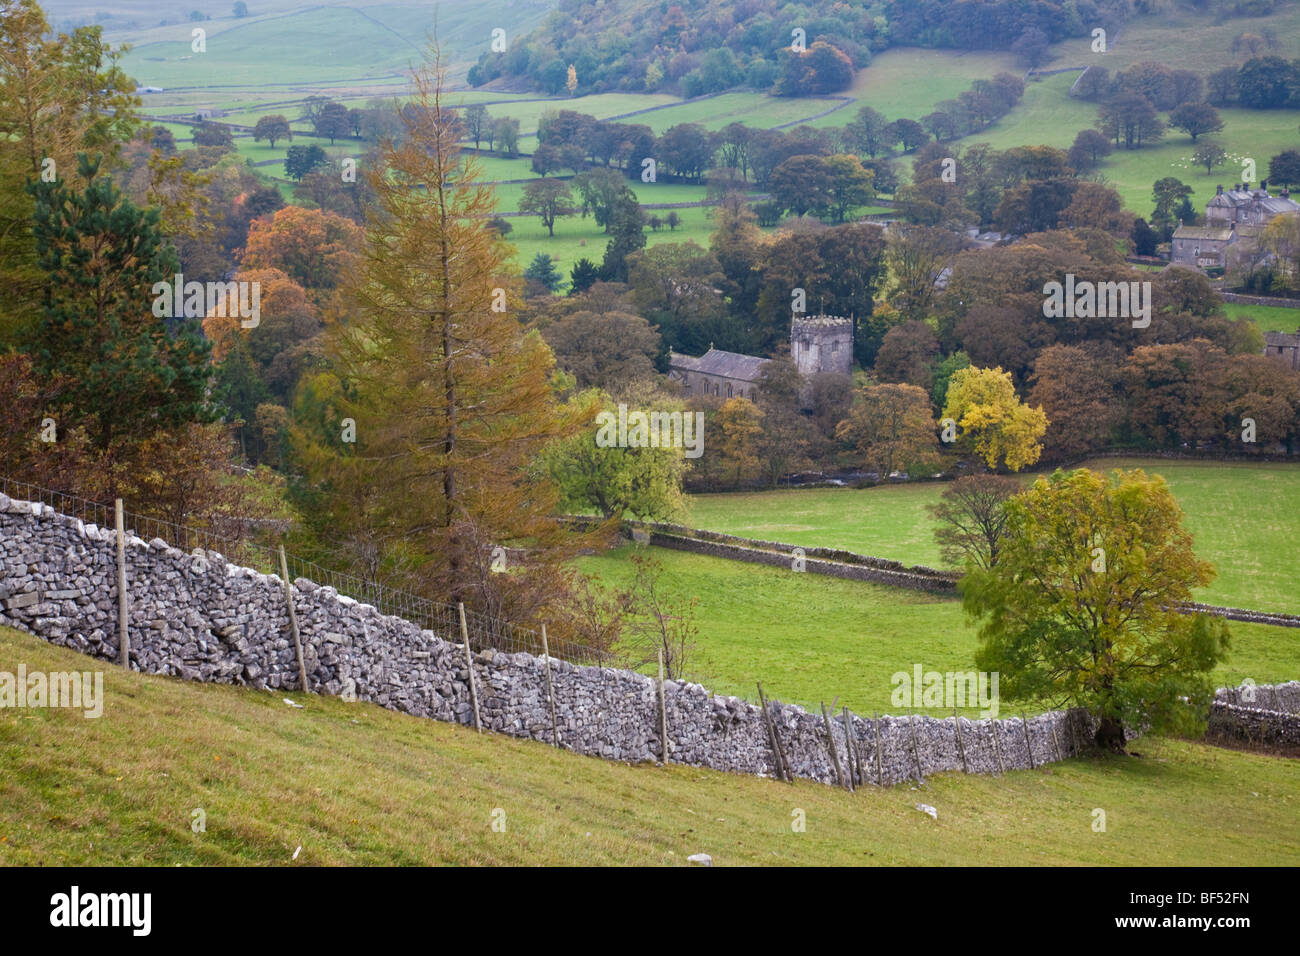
(734, 365)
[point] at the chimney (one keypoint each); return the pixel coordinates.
(1263, 186)
(1218, 190)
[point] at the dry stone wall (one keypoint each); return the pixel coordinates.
(1266, 715)
(202, 618)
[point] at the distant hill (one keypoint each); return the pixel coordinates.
(694, 47)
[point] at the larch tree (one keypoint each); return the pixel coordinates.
(446, 398)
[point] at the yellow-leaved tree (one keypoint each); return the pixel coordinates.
(991, 421)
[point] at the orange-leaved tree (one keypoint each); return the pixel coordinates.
(418, 436)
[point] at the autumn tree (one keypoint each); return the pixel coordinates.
(300, 160)
(1281, 237)
(316, 249)
(59, 95)
(1284, 168)
(1081, 608)
(450, 398)
(1078, 389)
(332, 122)
(802, 184)
(917, 256)
(477, 122)
(215, 135)
(972, 519)
(891, 428)
(1176, 392)
(548, 199)
(272, 128)
(908, 354)
(786, 435)
(732, 441)
(1195, 119)
(676, 279)
(606, 350)
(991, 421)
(621, 481)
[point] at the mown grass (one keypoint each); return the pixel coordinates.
(1269, 318)
(352, 784)
(810, 638)
(1245, 518)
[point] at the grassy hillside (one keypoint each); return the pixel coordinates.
(809, 638)
(315, 44)
(353, 784)
(1244, 517)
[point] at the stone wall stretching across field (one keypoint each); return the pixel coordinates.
(214, 621)
(858, 567)
(1267, 715)
(1269, 300)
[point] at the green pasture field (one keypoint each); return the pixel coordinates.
(1049, 116)
(1269, 318)
(908, 82)
(1245, 518)
(354, 784)
(810, 638)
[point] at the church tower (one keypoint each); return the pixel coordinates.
(822, 343)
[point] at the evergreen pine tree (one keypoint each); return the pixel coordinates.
(101, 255)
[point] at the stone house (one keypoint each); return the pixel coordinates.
(1236, 215)
(1284, 346)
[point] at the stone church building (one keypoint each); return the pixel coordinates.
(818, 343)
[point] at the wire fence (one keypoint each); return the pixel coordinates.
(484, 631)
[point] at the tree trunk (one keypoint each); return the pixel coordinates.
(1110, 735)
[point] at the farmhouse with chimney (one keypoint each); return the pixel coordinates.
(1238, 215)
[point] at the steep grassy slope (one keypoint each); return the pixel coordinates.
(354, 784)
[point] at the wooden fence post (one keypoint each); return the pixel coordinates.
(550, 690)
(1029, 748)
(916, 753)
(961, 747)
(1056, 742)
(293, 620)
(663, 713)
(778, 755)
(830, 744)
(854, 778)
(469, 663)
(880, 765)
(123, 599)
